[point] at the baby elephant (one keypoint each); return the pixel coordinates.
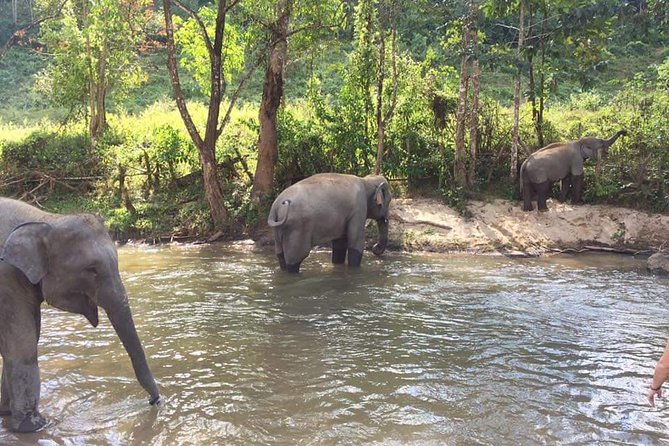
(70, 262)
(560, 162)
(329, 207)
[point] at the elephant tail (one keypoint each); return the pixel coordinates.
(522, 175)
(274, 218)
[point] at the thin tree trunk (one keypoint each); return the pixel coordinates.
(380, 125)
(476, 87)
(15, 13)
(213, 191)
(268, 151)
(515, 137)
(460, 153)
(542, 79)
(99, 90)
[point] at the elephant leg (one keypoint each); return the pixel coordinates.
(543, 189)
(339, 250)
(278, 248)
(24, 383)
(354, 257)
(4, 394)
(296, 247)
(20, 372)
(577, 188)
(528, 188)
(355, 231)
(282, 261)
(565, 183)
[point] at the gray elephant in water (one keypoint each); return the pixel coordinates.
(559, 162)
(70, 262)
(329, 207)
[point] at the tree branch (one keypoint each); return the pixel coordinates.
(200, 23)
(174, 75)
(240, 87)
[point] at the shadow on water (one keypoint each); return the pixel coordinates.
(425, 349)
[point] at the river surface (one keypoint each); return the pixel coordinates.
(409, 349)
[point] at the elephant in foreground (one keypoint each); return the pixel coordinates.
(560, 162)
(70, 262)
(329, 207)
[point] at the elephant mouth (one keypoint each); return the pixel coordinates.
(91, 313)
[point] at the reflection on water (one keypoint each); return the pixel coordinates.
(409, 349)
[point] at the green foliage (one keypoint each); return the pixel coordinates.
(194, 54)
(92, 43)
(63, 152)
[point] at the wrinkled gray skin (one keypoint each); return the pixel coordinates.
(71, 262)
(560, 162)
(329, 207)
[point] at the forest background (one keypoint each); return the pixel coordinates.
(178, 119)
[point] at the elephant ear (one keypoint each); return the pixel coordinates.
(382, 196)
(26, 249)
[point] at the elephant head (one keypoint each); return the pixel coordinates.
(76, 264)
(378, 206)
(591, 147)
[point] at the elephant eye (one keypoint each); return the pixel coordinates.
(91, 269)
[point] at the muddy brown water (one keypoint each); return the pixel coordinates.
(409, 349)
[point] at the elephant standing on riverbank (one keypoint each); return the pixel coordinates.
(329, 207)
(559, 162)
(70, 262)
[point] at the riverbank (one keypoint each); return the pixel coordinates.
(495, 225)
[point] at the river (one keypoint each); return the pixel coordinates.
(413, 349)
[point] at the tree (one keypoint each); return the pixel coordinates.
(515, 132)
(215, 55)
(304, 22)
(268, 150)
(374, 55)
(94, 47)
(465, 163)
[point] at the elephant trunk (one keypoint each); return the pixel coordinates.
(615, 137)
(380, 247)
(120, 317)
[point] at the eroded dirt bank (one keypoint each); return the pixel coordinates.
(424, 224)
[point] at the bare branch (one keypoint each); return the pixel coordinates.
(174, 75)
(393, 97)
(240, 87)
(200, 24)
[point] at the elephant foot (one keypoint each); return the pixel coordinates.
(294, 269)
(543, 209)
(528, 208)
(338, 256)
(4, 411)
(31, 422)
(354, 257)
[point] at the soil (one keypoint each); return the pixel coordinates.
(427, 224)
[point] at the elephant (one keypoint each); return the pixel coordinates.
(329, 207)
(560, 162)
(70, 262)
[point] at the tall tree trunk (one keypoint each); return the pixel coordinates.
(515, 136)
(380, 125)
(268, 151)
(542, 78)
(460, 117)
(476, 87)
(98, 122)
(213, 190)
